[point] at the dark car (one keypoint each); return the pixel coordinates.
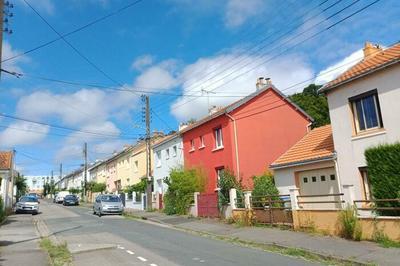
(70, 200)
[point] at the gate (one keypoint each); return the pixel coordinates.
(207, 205)
(274, 209)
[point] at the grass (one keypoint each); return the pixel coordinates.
(384, 241)
(59, 255)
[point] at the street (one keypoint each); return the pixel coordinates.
(116, 240)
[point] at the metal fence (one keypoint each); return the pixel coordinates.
(324, 201)
(380, 207)
(272, 209)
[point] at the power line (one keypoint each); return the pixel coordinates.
(162, 120)
(75, 31)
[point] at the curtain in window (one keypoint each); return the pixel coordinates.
(371, 117)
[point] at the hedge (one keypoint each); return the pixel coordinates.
(383, 163)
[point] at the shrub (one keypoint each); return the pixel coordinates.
(74, 190)
(384, 174)
(264, 188)
(246, 218)
(350, 227)
(2, 212)
(138, 187)
(95, 187)
(182, 183)
(227, 181)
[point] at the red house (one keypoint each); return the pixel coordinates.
(245, 136)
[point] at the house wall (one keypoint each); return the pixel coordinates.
(267, 126)
(163, 167)
(6, 183)
(350, 149)
(208, 158)
(124, 170)
(111, 176)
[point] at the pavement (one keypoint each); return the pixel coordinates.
(363, 252)
(116, 240)
(19, 242)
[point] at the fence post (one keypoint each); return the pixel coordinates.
(134, 197)
(247, 195)
(232, 198)
(294, 192)
(196, 204)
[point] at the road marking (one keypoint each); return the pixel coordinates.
(142, 259)
(120, 247)
(201, 260)
(153, 264)
(130, 252)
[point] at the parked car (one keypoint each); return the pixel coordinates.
(27, 204)
(71, 200)
(61, 195)
(55, 197)
(107, 204)
(32, 194)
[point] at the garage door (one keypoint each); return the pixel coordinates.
(319, 182)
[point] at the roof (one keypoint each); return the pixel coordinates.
(370, 64)
(166, 139)
(241, 102)
(317, 145)
(5, 160)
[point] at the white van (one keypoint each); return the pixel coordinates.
(60, 196)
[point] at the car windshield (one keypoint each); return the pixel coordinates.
(70, 197)
(28, 199)
(32, 194)
(110, 198)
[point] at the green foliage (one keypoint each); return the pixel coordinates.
(75, 190)
(22, 187)
(59, 255)
(264, 190)
(2, 211)
(350, 227)
(95, 187)
(383, 240)
(182, 183)
(46, 189)
(313, 103)
(384, 175)
(227, 181)
(138, 187)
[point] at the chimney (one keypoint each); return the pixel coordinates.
(262, 83)
(370, 49)
(213, 109)
(182, 126)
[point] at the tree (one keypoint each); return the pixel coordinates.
(264, 190)
(313, 103)
(227, 181)
(22, 187)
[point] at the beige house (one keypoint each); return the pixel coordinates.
(98, 172)
(364, 109)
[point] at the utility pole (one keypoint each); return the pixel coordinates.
(85, 171)
(60, 171)
(1, 28)
(149, 200)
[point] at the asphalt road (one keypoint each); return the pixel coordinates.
(143, 243)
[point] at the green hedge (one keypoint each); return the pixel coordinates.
(2, 211)
(383, 164)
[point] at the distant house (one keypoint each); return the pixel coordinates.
(35, 183)
(97, 172)
(246, 136)
(364, 110)
(168, 154)
(7, 177)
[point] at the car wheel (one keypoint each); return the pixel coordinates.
(94, 210)
(99, 213)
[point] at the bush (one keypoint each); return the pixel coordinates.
(350, 227)
(95, 187)
(138, 187)
(2, 212)
(227, 181)
(384, 175)
(74, 190)
(182, 184)
(264, 189)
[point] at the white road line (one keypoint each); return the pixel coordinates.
(142, 259)
(153, 264)
(121, 247)
(130, 252)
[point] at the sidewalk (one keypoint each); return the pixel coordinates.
(19, 242)
(362, 252)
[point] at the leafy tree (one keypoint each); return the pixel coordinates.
(264, 190)
(74, 190)
(95, 187)
(313, 103)
(227, 181)
(138, 187)
(22, 187)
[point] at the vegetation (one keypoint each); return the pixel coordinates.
(95, 187)
(384, 175)
(138, 187)
(227, 181)
(182, 183)
(22, 187)
(313, 103)
(246, 218)
(350, 227)
(59, 254)
(2, 211)
(74, 190)
(383, 240)
(264, 190)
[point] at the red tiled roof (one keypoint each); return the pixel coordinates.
(372, 63)
(5, 160)
(316, 145)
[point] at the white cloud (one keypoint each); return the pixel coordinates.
(160, 77)
(333, 71)
(22, 133)
(42, 5)
(284, 72)
(142, 61)
(238, 11)
(12, 65)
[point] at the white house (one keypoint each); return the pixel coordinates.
(35, 183)
(168, 154)
(7, 174)
(364, 106)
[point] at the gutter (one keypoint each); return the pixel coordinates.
(299, 163)
(236, 143)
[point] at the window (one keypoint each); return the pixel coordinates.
(174, 151)
(219, 172)
(333, 177)
(365, 183)
(202, 142)
(192, 145)
(322, 178)
(366, 111)
(314, 179)
(136, 165)
(305, 180)
(218, 138)
(158, 155)
(167, 154)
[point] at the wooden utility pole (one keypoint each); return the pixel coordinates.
(149, 200)
(60, 171)
(1, 28)
(85, 171)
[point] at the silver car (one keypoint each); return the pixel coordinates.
(27, 204)
(108, 204)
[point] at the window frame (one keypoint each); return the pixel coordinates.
(192, 145)
(202, 145)
(218, 135)
(366, 185)
(158, 156)
(174, 151)
(167, 155)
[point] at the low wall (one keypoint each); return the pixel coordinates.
(390, 226)
(325, 221)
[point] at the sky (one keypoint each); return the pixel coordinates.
(186, 55)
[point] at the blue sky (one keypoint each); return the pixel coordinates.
(159, 47)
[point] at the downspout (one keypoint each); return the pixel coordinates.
(338, 177)
(236, 143)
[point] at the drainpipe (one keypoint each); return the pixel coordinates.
(236, 142)
(338, 177)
